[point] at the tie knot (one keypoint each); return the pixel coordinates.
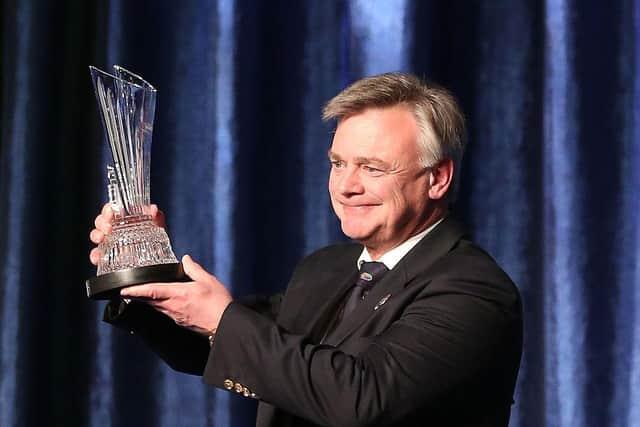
(371, 272)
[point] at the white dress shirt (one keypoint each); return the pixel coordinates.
(391, 258)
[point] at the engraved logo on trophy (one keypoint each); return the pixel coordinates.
(136, 251)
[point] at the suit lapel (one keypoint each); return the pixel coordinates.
(323, 297)
(330, 304)
(435, 245)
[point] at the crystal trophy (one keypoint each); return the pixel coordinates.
(136, 251)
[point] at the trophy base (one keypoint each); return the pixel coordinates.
(107, 286)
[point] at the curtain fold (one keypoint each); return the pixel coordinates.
(239, 165)
(563, 257)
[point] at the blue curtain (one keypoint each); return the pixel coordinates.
(551, 180)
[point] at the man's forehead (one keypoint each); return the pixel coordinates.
(357, 159)
(397, 119)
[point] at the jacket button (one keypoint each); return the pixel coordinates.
(246, 392)
(238, 387)
(228, 384)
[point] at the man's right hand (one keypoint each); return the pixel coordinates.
(103, 227)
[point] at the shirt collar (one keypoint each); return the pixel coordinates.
(391, 258)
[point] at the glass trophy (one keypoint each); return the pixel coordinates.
(136, 251)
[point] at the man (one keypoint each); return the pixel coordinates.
(436, 341)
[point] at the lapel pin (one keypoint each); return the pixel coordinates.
(382, 301)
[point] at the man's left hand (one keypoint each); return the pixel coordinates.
(196, 305)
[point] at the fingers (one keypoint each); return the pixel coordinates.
(94, 256)
(157, 216)
(107, 211)
(197, 305)
(194, 270)
(96, 236)
(167, 298)
(103, 221)
(103, 227)
(153, 291)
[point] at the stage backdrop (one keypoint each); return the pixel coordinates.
(551, 181)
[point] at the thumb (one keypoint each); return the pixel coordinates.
(194, 270)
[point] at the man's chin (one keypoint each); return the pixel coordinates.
(356, 233)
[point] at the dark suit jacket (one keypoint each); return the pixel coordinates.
(437, 342)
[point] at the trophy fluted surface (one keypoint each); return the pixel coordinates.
(136, 250)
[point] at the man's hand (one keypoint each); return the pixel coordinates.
(103, 227)
(196, 305)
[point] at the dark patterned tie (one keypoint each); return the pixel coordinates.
(370, 273)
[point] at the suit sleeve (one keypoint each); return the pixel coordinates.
(445, 340)
(181, 349)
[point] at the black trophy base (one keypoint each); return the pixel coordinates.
(107, 286)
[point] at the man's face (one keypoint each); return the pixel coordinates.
(378, 190)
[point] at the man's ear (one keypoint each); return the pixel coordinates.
(440, 177)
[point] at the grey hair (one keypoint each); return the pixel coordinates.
(438, 116)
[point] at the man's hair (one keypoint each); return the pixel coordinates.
(438, 116)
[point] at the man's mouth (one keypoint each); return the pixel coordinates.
(358, 207)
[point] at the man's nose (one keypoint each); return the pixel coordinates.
(350, 182)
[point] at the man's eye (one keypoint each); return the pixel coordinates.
(337, 164)
(373, 171)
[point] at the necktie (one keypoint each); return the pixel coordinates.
(370, 273)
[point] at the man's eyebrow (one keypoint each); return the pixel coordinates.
(332, 155)
(370, 160)
(363, 159)
(360, 160)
